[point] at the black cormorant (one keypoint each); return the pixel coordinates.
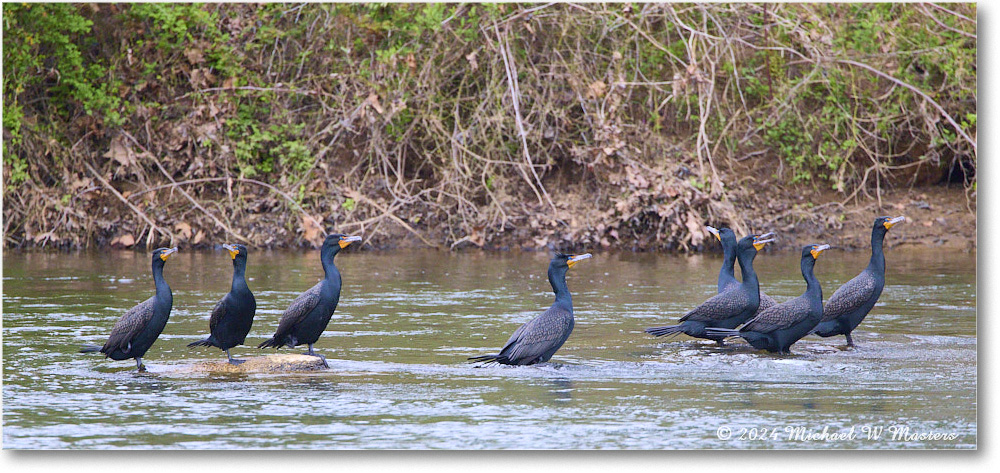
(136, 331)
(232, 317)
(304, 321)
(777, 328)
(733, 306)
(539, 338)
(727, 277)
(851, 302)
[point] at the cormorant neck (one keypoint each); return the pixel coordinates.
(878, 257)
(329, 269)
(728, 260)
(239, 276)
(158, 281)
(812, 284)
(557, 278)
(746, 269)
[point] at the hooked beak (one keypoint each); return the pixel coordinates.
(818, 249)
(714, 231)
(577, 258)
(347, 240)
(166, 254)
(892, 221)
(233, 250)
(760, 240)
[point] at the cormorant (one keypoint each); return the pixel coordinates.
(777, 328)
(733, 306)
(304, 321)
(136, 331)
(233, 315)
(539, 338)
(851, 302)
(727, 278)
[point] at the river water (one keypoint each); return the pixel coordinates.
(407, 320)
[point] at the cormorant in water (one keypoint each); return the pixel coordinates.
(733, 306)
(777, 328)
(539, 338)
(851, 302)
(136, 331)
(233, 315)
(727, 278)
(304, 321)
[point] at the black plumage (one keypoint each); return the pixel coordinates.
(731, 307)
(307, 317)
(852, 301)
(777, 328)
(539, 338)
(135, 332)
(727, 274)
(232, 316)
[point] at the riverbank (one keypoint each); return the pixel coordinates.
(501, 127)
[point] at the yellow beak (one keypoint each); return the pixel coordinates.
(892, 221)
(818, 250)
(347, 240)
(577, 258)
(166, 254)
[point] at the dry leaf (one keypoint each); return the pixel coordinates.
(471, 57)
(198, 237)
(695, 228)
(126, 240)
(596, 90)
(183, 229)
(373, 101)
(194, 56)
(120, 153)
(311, 231)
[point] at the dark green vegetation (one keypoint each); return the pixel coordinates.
(488, 125)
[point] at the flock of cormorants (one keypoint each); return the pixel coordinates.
(766, 324)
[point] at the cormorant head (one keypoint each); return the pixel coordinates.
(725, 236)
(561, 260)
(160, 255)
(812, 252)
(883, 224)
(334, 242)
(236, 251)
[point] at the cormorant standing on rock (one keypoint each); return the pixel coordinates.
(232, 317)
(136, 331)
(304, 321)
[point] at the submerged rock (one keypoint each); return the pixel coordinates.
(262, 364)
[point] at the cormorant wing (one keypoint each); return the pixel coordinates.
(217, 313)
(127, 327)
(299, 308)
(778, 317)
(766, 302)
(719, 307)
(849, 297)
(537, 335)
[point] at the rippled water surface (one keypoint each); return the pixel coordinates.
(407, 321)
